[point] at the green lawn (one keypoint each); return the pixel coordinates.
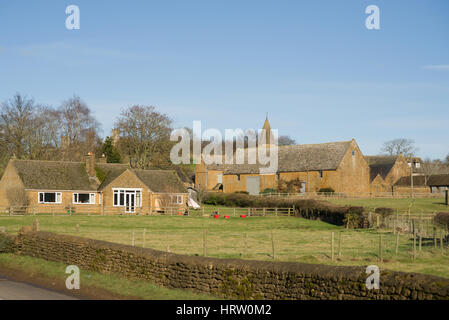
(111, 283)
(295, 239)
(418, 205)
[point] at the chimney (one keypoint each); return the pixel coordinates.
(103, 159)
(115, 137)
(90, 164)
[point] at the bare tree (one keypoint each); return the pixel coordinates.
(17, 196)
(286, 141)
(399, 146)
(16, 118)
(433, 167)
(79, 128)
(145, 137)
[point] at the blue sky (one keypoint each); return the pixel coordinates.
(312, 65)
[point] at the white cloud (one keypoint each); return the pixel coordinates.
(437, 67)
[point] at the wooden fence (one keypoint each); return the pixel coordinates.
(171, 211)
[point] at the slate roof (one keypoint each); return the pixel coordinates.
(53, 175)
(297, 158)
(438, 180)
(63, 175)
(380, 165)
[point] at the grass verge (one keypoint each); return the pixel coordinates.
(93, 285)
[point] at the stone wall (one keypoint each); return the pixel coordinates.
(228, 278)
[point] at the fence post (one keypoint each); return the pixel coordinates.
(132, 239)
(339, 244)
(441, 241)
(272, 243)
(245, 253)
(377, 221)
(77, 228)
(205, 242)
(414, 246)
(420, 242)
(397, 243)
(332, 246)
(380, 248)
(168, 248)
(143, 241)
(435, 237)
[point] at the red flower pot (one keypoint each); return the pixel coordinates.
(216, 216)
(227, 217)
(243, 216)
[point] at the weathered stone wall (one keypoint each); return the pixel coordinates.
(228, 278)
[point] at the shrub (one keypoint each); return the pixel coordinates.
(352, 217)
(6, 243)
(268, 191)
(442, 220)
(384, 214)
(326, 190)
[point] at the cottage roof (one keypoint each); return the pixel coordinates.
(380, 165)
(437, 180)
(161, 180)
(297, 158)
(53, 175)
(63, 175)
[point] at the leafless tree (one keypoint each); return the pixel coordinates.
(286, 141)
(399, 146)
(17, 197)
(79, 128)
(145, 137)
(16, 118)
(433, 167)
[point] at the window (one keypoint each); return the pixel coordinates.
(84, 198)
(417, 165)
(238, 177)
(320, 173)
(127, 197)
(220, 178)
(353, 153)
(50, 197)
(178, 199)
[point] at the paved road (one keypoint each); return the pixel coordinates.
(11, 290)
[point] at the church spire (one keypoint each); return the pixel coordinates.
(267, 128)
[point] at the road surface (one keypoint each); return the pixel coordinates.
(12, 290)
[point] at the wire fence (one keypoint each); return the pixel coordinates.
(355, 195)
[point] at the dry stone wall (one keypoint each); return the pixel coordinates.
(227, 278)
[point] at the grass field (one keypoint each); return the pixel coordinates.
(55, 271)
(426, 205)
(295, 239)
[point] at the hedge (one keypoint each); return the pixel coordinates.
(352, 217)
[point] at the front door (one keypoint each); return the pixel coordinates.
(130, 202)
